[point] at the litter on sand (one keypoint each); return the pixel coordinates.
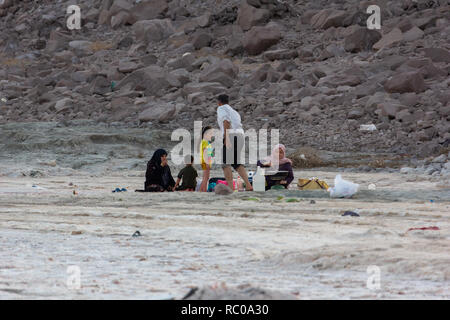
(119, 190)
(350, 213)
(424, 228)
(136, 234)
(343, 188)
(367, 127)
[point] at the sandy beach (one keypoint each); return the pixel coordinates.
(278, 240)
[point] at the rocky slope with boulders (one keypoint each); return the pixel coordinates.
(309, 68)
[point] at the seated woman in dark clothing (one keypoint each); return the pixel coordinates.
(277, 161)
(158, 177)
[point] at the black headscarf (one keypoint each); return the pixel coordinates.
(156, 159)
(157, 174)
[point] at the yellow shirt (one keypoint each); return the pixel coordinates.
(206, 145)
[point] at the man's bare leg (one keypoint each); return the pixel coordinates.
(243, 173)
(228, 176)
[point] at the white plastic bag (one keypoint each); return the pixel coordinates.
(343, 188)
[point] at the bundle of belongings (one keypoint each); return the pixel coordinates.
(213, 182)
(312, 184)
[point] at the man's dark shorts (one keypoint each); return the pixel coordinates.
(233, 158)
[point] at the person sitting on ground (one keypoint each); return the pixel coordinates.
(188, 175)
(158, 176)
(206, 153)
(278, 161)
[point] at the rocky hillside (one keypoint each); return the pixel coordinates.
(309, 68)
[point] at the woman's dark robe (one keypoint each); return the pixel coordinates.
(157, 177)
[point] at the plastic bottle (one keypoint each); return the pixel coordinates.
(259, 180)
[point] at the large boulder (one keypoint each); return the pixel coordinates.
(119, 19)
(327, 18)
(361, 39)
(425, 66)
(263, 73)
(406, 82)
(63, 105)
(223, 72)
(101, 85)
(280, 54)
(413, 34)
(153, 80)
(202, 40)
(118, 6)
(57, 42)
(234, 46)
(204, 87)
(148, 10)
(341, 79)
(389, 39)
(160, 113)
(155, 30)
(437, 54)
(5, 3)
(224, 66)
(186, 61)
(249, 16)
(82, 47)
(389, 109)
(258, 39)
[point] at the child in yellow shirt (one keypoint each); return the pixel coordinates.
(206, 153)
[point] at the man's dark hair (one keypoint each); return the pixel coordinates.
(223, 98)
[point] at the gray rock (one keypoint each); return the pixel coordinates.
(223, 72)
(63, 105)
(361, 39)
(205, 87)
(153, 80)
(150, 31)
(437, 54)
(148, 10)
(327, 18)
(413, 34)
(440, 159)
(222, 190)
(186, 61)
(4, 4)
(281, 54)
(249, 16)
(258, 39)
(407, 170)
(202, 40)
(389, 39)
(82, 47)
(355, 114)
(161, 113)
(406, 82)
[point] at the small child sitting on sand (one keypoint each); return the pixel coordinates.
(189, 176)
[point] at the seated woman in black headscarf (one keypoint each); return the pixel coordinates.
(158, 177)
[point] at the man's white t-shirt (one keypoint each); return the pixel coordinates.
(225, 112)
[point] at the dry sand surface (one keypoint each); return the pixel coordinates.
(293, 248)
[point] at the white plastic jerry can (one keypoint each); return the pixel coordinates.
(259, 180)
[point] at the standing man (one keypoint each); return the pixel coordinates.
(233, 141)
